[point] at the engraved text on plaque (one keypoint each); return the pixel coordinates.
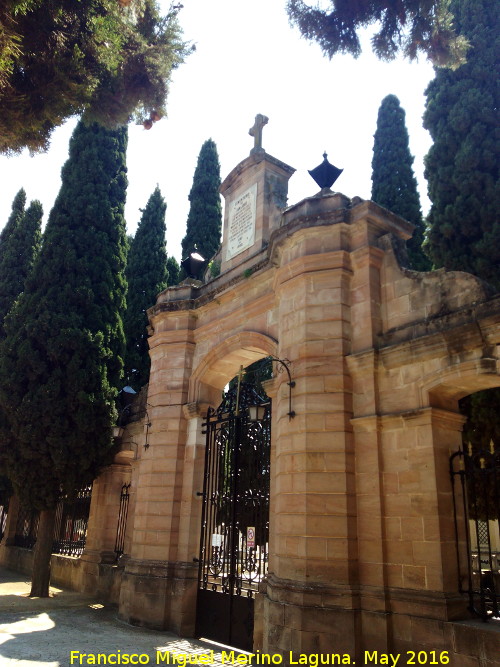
(241, 225)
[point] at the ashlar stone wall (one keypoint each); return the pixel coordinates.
(361, 538)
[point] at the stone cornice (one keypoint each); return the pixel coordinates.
(250, 161)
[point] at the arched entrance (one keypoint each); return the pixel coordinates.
(362, 545)
(234, 541)
(475, 477)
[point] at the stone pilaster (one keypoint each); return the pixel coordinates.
(154, 576)
(311, 592)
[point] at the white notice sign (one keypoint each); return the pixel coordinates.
(241, 225)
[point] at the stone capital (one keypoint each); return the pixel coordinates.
(195, 409)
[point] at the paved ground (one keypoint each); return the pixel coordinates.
(42, 632)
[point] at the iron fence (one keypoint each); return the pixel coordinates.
(72, 517)
(26, 528)
(475, 478)
(3, 519)
(122, 520)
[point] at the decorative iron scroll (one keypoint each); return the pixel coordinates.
(475, 478)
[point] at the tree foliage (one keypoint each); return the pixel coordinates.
(60, 361)
(394, 185)
(462, 165)
(17, 256)
(15, 217)
(147, 276)
(204, 223)
(173, 270)
(407, 26)
(462, 172)
(59, 58)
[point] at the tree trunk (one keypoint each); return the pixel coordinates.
(43, 551)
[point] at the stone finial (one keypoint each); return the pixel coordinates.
(256, 133)
(325, 174)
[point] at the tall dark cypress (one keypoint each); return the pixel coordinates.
(61, 360)
(15, 216)
(17, 256)
(173, 269)
(147, 276)
(204, 223)
(394, 185)
(462, 166)
(462, 169)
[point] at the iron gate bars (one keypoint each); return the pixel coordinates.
(70, 525)
(26, 528)
(122, 520)
(72, 516)
(475, 479)
(235, 519)
(3, 518)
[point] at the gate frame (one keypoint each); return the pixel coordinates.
(238, 634)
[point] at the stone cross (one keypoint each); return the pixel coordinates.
(256, 133)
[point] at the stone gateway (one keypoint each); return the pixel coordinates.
(361, 553)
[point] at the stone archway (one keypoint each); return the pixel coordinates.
(210, 375)
(224, 360)
(360, 525)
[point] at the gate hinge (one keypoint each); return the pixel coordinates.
(196, 560)
(200, 493)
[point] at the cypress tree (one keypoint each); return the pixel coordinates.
(462, 165)
(147, 275)
(16, 214)
(204, 223)
(393, 183)
(18, 251)
(17, 257)
(60, 361)
(462, 172)
(173, 269)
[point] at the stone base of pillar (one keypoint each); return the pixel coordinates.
(101, 575)
(313, 619)
(159, 595)
(308, 618)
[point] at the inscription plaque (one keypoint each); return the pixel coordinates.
(241, 225)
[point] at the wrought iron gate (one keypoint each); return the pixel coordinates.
(475, 478)
(235, 520)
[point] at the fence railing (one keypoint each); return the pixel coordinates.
(26, 528)
(70, 528)
(122, 520)
(475, 478)
(72, 517)
(3, 519)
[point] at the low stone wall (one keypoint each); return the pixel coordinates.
(474, 644)
(69, 572)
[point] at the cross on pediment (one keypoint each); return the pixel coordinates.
(256, 133)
